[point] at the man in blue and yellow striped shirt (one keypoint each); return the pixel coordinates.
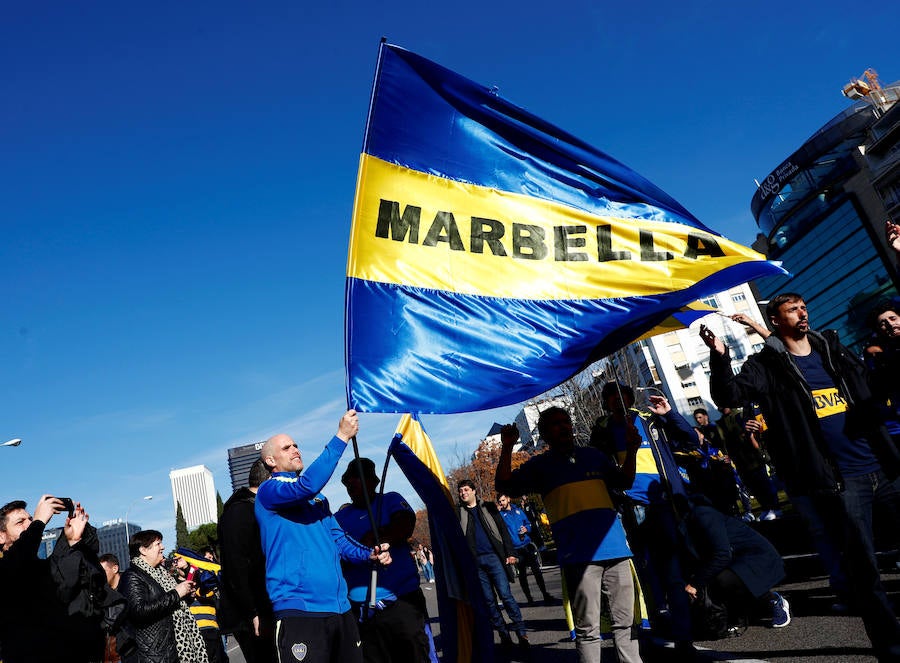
(575, 484)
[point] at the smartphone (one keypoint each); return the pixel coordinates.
(68, 504)
(192, 574)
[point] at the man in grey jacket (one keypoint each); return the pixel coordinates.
(492, 547)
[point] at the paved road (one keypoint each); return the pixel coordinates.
(813, 636)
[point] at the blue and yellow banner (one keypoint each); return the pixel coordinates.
(466, 633)
(493, 255)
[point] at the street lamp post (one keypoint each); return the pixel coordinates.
(145, 497)
(12, 443)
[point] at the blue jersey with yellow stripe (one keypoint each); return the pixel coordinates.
(659, 435)
(647, 487)
(576, 496)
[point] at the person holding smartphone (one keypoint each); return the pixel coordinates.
(165, 630)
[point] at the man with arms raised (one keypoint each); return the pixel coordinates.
(575, 484)
(34, 626)
(304, 545)
(826, 440)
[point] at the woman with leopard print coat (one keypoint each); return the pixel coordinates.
(165, 630)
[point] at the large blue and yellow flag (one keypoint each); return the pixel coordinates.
(466, 632)
(493, 255)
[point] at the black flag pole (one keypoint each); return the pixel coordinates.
(373, 583)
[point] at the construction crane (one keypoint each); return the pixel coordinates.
(863, 86)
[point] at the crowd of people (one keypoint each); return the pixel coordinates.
(651, 488)
(650, 504)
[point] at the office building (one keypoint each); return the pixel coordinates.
(111, 534)
(193, 488)
(48, 541)
(114, 539)
(822, 213)
(240, 460)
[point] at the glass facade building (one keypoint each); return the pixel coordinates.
(240, 460)
(114, 539)
(820, 213)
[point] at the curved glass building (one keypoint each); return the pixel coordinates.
(822, 213)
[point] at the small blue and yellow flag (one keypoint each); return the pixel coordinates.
(493, 255)
(466, 632)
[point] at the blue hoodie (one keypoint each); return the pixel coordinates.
(303, 542)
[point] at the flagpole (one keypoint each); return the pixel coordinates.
(374, 92)
(387, 460)
(373, 584)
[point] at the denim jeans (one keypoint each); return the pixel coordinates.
(823, 540)
(861, 493)
(848, 521)
(493, 576)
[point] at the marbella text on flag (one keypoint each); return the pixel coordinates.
(493, 255)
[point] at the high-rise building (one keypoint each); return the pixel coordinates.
(114, 539)
(194, 489)
(822, 213)
(240, 460)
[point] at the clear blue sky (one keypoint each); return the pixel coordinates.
(176, 182)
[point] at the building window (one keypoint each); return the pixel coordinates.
(696, 401)
(738, 297)
(691, 383)
(711, 301)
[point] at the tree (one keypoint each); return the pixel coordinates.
(182, 538)
(482, 468)
(422, 533)
(220, 506)
(204, 535)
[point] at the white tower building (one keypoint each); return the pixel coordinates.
(194, 489)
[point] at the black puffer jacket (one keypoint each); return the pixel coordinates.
(150, 610)
(794, 437)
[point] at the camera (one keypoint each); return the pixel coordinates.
(68, 504)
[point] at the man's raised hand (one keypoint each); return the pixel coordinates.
(712, 342)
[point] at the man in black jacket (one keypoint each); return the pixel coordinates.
(826, 440)
(882, 356)
(34, 624)
(244, 607)
(492, 546)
